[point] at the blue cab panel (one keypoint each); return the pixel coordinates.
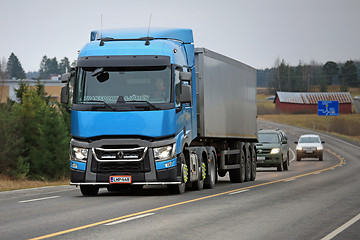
(87, 124)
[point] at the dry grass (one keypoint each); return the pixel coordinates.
(345, 125)
(7, 183)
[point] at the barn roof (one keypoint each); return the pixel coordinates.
(313, 98)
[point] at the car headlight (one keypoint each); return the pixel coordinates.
(275, 150)
(165, 152)
(79, 153)
(298, 148)
(319, 148)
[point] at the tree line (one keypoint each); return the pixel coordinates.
(303, 77)
(35, 135)
(12, 68)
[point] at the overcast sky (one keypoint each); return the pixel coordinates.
(255, 32)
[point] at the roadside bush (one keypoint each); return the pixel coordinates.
(35, 137)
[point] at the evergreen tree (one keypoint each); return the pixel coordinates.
(64, 65)
(44, 72)
(14, 68)
(331, 70)
(349, 75)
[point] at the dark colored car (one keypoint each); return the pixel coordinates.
(309, 146)
(273, 149)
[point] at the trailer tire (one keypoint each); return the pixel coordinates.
(247, 164)
(253, 164)
(180, 188)
(238, 175)
(89, 190)
(210, 180)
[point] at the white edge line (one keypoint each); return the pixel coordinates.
(129, 219)
(290, 180)
(342, 228)
(239, 192)
(293, 153)
(38, 199)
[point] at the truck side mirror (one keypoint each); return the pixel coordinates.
(65, 77)
(65, 94)
(185, 95)
(185, 76)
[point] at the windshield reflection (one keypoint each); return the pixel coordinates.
(113, 86)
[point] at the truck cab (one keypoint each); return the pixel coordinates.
(132, 108)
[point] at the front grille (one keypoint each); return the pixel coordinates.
(120, 167)
(111, 154)
(264, 151)
(112, 159)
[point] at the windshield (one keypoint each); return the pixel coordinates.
(116, 85)
(309, 140)
(268, 138)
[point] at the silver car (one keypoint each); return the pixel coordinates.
(309, 146)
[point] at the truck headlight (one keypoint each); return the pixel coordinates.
(319, 148)
(79, 153)
(298, 148)
(165, 152)
(275, 150)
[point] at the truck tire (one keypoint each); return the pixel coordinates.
(321, 157)
(179, 189)
(247, 164)
(298, 158)
(89, 190)
(199, 183)
(238, 175)
(253, 164)
(210, 180)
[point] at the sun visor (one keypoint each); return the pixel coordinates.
(123, 61)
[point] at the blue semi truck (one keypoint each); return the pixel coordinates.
(148, 108)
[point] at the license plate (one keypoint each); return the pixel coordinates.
(309, 151)
(120, 179)
(260, 158)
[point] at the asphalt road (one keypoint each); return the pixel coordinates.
(313, 200)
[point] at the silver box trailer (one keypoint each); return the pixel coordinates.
(226, 97)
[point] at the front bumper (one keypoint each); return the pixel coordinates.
(144, 172)
(309, 153)
(268, 160)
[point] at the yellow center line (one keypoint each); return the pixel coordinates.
(185, 202)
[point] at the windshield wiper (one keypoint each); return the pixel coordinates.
(144, 101)
(99, 101)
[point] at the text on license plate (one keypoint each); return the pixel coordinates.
(120, 179)
(260, 158)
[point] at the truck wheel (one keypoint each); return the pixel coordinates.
(199, 183)
(286, 163)
(253, 164)
(179, 189)
(211, 177)
(280, 167)
(321, 157)
(247, 164)
(238, 175)
(89, 190)
(298, 158)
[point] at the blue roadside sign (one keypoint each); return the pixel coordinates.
(328, 108)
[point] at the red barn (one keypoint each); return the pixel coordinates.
(304, 102)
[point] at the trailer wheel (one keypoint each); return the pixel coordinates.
(253, 164)
(247, 164)
(238, 175)
(199, 183)
(180, 188)
(89, 190)
(211, 177)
